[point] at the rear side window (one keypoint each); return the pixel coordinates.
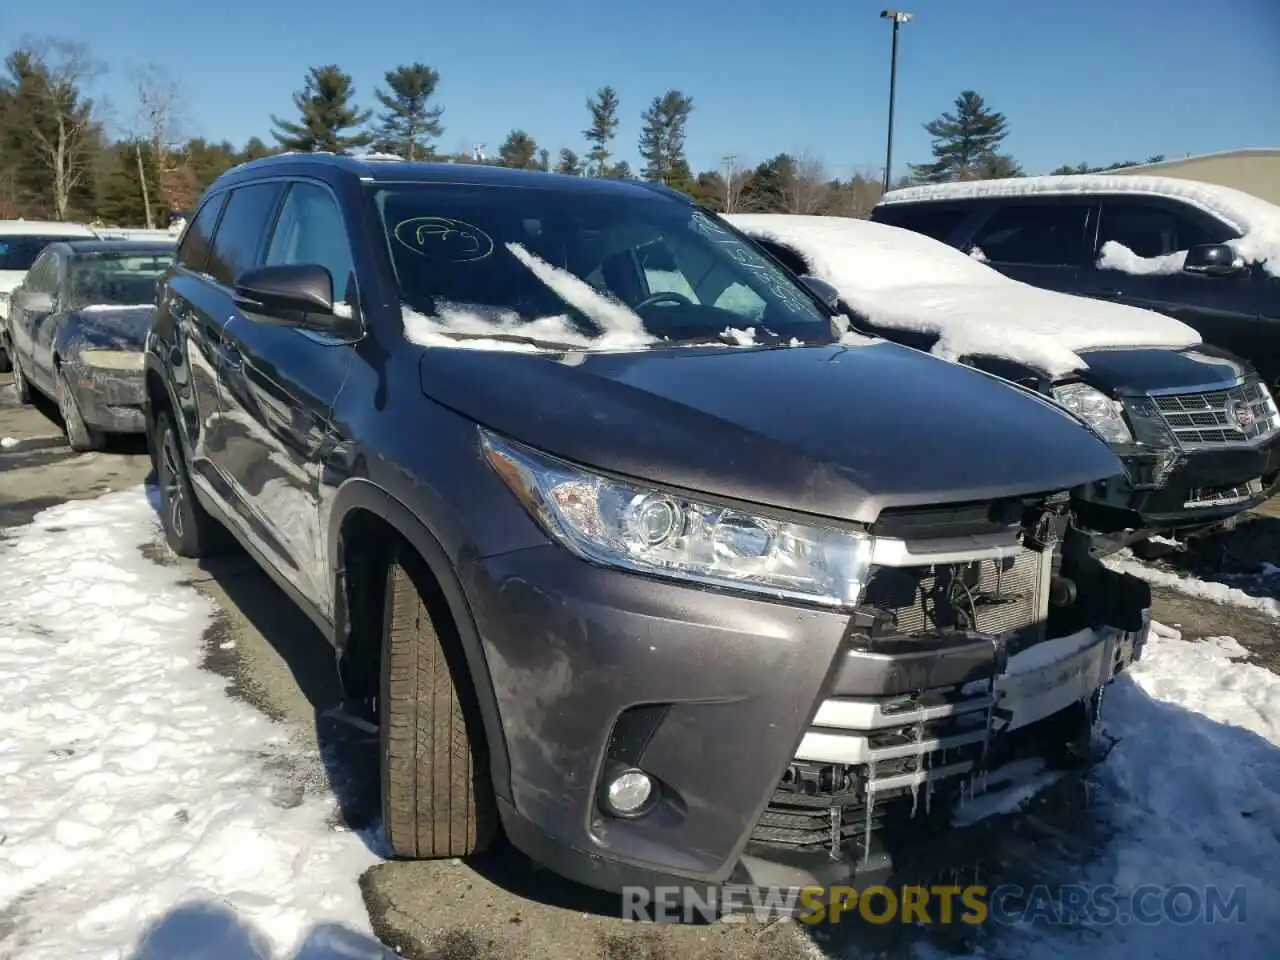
(932, 222)
(1153, 231)
(242, 230)
(1035, 234)
(194, 252)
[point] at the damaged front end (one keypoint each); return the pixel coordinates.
(986, 632)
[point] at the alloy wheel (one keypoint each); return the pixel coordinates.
(171, 483)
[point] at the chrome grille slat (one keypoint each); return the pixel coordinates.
(1208, 420)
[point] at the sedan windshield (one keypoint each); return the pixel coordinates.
(19, 251)
(527, 255)
(117, 278)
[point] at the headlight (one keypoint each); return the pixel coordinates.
(112, 359)
(646, 530)
(1096, 409)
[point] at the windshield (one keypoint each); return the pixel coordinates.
(18, 252)
(116, 279)
(528, 254)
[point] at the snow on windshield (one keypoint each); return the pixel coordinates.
(906, 281)
(477, 327)
(1256, 220)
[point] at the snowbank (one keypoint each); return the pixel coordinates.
(1256, 220)
(906, 281)
(132, 788)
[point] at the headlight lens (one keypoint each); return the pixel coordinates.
(112, 359)
(646, 530)
(1096, 409)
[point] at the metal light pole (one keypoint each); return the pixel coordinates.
(897, 17)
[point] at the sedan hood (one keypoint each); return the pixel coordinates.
(835, 431)
(1129, 372)
(114, 328)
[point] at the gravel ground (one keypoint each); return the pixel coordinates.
(502, 906)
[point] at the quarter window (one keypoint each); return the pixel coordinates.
(242, 230)
(934, 223)
(1035, 234)
(310, 230)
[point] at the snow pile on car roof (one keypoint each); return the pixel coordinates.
(905, 281)
(1257, 221)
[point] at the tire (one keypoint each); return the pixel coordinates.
(188, 528)
(5, 363)
(80, 436)
(437, 796)
(21, 385)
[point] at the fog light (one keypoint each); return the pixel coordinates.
(628, 792)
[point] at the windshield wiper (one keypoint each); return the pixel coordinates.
(515, 338)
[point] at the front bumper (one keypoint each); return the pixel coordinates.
(110, 400)
(723, 699)
(1203, 489)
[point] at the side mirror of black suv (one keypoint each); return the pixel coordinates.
(829, 294)
(1212, 259)
(298, 295)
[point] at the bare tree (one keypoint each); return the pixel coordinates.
(807, 191)
(157, 123)
(734, 177)
(59, 120)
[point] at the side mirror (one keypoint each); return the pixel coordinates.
(1213, 260)
(829, 294)
(294, 295)
(36, 301)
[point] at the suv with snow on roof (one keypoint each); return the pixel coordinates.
(660, 597)
(1196, 428)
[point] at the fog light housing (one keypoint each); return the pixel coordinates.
(627, 792)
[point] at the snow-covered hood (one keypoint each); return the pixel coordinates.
(829, 430)
(902, 280)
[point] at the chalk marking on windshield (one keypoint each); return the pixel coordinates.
(444, 239)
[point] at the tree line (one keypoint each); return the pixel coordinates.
(64, 155)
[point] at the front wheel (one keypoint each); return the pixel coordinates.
(80, 436)
(437, 796)
(21, 385)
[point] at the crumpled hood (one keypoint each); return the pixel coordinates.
(114, 328)
(836, 431)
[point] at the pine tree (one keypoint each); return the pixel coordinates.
(619, 171)
(408, 125)
(544, 160)
(519, 150)
(603, 108)
(325, 106)
(569, 163)
(964, 141)
(662, 140)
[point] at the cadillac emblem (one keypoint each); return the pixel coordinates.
(1240, 415)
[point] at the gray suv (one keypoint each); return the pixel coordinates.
(652, 594)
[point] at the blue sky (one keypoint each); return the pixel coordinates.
(1085, 80)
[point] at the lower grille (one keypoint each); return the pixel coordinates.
(993, 596)
(1223, 496)
(1239, 415)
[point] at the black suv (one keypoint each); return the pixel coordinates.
(655, 603)
(1204, 254)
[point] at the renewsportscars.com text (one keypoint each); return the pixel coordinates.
(1066, 904)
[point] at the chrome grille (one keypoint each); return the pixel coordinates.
(1239, 415)
(1007, 594)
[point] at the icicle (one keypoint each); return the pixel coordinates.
(928, 784)
(917, 733)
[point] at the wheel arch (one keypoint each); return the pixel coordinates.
(359, 495)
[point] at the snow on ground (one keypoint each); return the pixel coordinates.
(906, 281)
(1255, 219)
(1204, 589)
(7, 442)
(133, 790)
